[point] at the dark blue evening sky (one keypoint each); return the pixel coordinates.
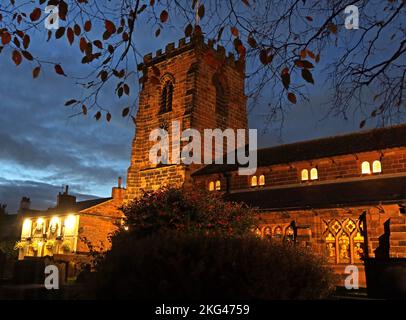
(43, 148)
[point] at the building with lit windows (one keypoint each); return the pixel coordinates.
(344, 196)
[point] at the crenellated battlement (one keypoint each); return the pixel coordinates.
(186, 44)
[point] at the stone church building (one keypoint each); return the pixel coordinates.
(343, 196)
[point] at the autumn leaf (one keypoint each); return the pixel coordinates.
(263, 56)
(307, 75)
(362, 124)
(251, 41)
(82, 44)
(27, 55)
(126, 89)
(97, 115)
(60, 32)
(5, 38)
(63, 10)
(308, 18)
(108, 116)
(26, 41)
(285, 79)
(59, 70)
(246, 3)
(16, 56)
(84, 110)
(77, 30)
(103, 75)
(201, 11)
(110, 26)
(157, 32)
(98, 44)
(120, 92)
(234, 31)
(125, 112)
(35, 72)
(88, 26)
(70, 35)
(35, 14)
(70, 102)
(292, 97)
(164, 16)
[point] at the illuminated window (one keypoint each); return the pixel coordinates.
(365, 167)
(261, 180)
(305, 175)
(70, 225)
(376, 166)
(218, 185)
(211, 186)
(54, 226)
(254, 181)
(26, 232)
(313, 174)
(344, 240)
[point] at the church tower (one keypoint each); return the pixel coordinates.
(195, 84)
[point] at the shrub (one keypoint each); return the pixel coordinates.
(193, 266)
(191, 212)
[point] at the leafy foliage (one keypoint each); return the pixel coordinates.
(268, 36)
(187, 266)
(171, 209)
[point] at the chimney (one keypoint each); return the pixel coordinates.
(65, 200)
(25, 204)
(118, 193)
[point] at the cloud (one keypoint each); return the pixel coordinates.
(42, 195)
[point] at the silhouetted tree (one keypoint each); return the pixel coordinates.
(288, 45)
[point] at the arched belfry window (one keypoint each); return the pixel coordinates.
(166, 96)
(221, 103)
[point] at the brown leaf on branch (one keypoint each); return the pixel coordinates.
(35, 14)
(35, 72)
(88, 26)
(125, 112)
(5, 38)
(164, 16)
(63, 10)
(59, 70)
(110, 27)
(70, 35)
(234, 31)
(17, 58)
(307, 75)
(292, 97)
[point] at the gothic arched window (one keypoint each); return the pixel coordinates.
(166, 97)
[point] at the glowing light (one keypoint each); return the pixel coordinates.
(376, 166)
(70, 224)
(261, 180)
(218, 185)
(26, 232)
(314, 174)
(211, 186)
(365, 167)
(305, 174)
(254, 181)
